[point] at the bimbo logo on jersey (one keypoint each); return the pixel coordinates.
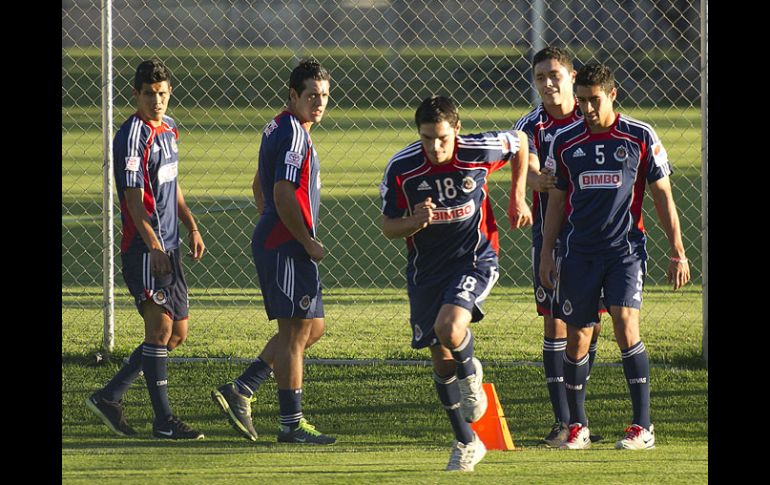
(598, 179)
(458, 213)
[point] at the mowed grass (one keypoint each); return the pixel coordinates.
(374, 324)
(390, 427)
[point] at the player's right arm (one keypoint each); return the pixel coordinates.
(399, 227)
(554, 218)
(291, 215)
(159, 261)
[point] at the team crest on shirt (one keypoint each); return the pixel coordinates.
(159, 297)
(174, 146)
(621, 154)
(304, 303)
(540, 294)
(567, 307)
(468, 184)
(417, 333)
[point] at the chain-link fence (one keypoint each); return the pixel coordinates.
(231, 60)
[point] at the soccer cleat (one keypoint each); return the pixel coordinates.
(473, 402)
(637, 438)
(465, 456)
(579, 438)
(236, 407)
(175, 429)
(303, 433)
(111, 412)
(558, 435)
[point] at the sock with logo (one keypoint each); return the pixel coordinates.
(553, 363)
(449, 395)
(290, 405)
(154, 364)
(127, 374)
(253, 377)
(463, 355)
(591, 357)
(636, 367)
(575, 374)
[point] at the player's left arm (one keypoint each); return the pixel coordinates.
(185, 215)
(678, 268)
(519, 214)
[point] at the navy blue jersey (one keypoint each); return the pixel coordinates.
(287, 153)
(463, 228)
(147, 158)
(540, 128)
(604, 175)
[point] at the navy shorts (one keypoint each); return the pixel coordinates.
(290, 284)
(583, 282)
(467, 288)
(543, 296)
(169, 291)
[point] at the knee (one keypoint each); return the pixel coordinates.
(449, 333)
(159, 336)
(176, 340)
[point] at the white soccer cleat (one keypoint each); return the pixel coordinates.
(637, 438)
(464, 457)
(473, 402)
(579, 438)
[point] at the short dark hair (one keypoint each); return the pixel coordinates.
(595, 74)
(555, 53)
(436, 109)
(150, 72)
(308, 68)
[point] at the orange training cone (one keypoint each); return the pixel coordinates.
(492, 427)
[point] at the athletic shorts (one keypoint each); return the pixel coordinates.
(467, 288)
(290, 284)
(543, 296)
(583, 282)
(169, 291)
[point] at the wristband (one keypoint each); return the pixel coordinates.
(678, 260)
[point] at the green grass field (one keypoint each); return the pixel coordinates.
(390, 426)
(390, 429)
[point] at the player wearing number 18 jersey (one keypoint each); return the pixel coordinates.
(435, 195)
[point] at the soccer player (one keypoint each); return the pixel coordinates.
(146, 158)
(602, 164)
(553, 77)
(286, 253)
(435, 195)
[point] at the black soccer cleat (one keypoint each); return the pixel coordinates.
(236, 407)
(175, 429)
(111, 412)
(558, 435)
(304, 433)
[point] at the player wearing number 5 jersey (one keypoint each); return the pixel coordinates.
(602, 165)
(434, 194)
